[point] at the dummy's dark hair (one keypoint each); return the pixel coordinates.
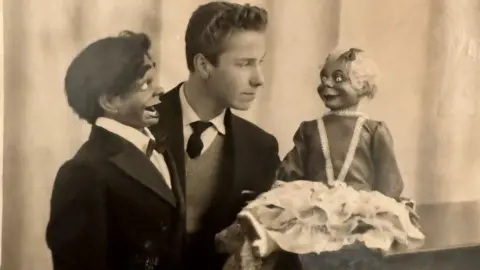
(212, 24)
(109, 66)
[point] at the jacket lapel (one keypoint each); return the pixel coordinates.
(175, 179)
(133, 162)
(240, 147)
(138, 166)
(234, 168)
(171, 126)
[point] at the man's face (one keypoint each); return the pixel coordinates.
(335, 87)
(235, 80)
(136, 108)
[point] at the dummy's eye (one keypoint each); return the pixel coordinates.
(144, 86)
(339, 76)
(324, 79)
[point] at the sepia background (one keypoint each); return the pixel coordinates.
(428, 52)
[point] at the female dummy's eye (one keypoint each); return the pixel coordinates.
(339, 76)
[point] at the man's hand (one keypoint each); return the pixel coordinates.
(230, 239)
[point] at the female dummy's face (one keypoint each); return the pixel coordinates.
(335, 88)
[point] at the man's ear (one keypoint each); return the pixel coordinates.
(202, 65)
(109, 104)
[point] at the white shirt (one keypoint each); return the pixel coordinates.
(189, 116)
(138, 139)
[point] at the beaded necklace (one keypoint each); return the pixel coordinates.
(351, 149)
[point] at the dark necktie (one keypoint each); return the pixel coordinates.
(150, 147)
(195, 144)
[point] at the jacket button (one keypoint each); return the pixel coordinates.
(148, 245)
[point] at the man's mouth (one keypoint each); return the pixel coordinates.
(249, 95)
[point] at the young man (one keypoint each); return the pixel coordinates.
(223, 160)
(117, 203)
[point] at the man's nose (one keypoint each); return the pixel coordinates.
(257, 79)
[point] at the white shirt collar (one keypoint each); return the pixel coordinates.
(189, 115)
(137, 138)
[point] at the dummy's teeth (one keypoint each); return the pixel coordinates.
(150, 108)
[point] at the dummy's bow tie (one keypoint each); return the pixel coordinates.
(152, 144)
(160, 144)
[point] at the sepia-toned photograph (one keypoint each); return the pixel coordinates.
(240, 135)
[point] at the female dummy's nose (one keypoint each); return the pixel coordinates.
(328, 82)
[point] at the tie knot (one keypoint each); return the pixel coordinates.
(200, 126)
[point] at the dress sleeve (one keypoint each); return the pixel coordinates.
(292, 166)
(388, 179)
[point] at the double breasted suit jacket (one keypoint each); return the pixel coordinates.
(112, 209)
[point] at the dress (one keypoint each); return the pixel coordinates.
(350, 148)
(373, 167)
(339, 190)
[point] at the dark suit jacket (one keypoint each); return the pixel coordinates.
(249, 163)
(112, 210)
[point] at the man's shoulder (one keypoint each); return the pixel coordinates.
(172, 93)
(255, 133)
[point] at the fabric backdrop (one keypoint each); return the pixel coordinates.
(428, 52)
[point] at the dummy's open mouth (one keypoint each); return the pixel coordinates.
(329, 97)
(150, 108)
(151, 111)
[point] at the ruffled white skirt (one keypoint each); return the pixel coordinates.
(308, 217)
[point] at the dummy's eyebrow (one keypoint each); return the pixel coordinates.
(323, 73)
(153, 63)
(338, 71)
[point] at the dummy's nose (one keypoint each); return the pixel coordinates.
(158, 91)
(329, 83)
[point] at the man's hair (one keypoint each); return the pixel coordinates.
(212, 24)
(363, 71)
(108, 66)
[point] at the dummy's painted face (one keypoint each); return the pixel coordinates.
(136, 108)
(335, 88)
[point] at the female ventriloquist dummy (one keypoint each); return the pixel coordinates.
(337, 203)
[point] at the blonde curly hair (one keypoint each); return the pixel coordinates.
(363, 71)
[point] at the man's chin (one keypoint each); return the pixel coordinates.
(242, 106)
